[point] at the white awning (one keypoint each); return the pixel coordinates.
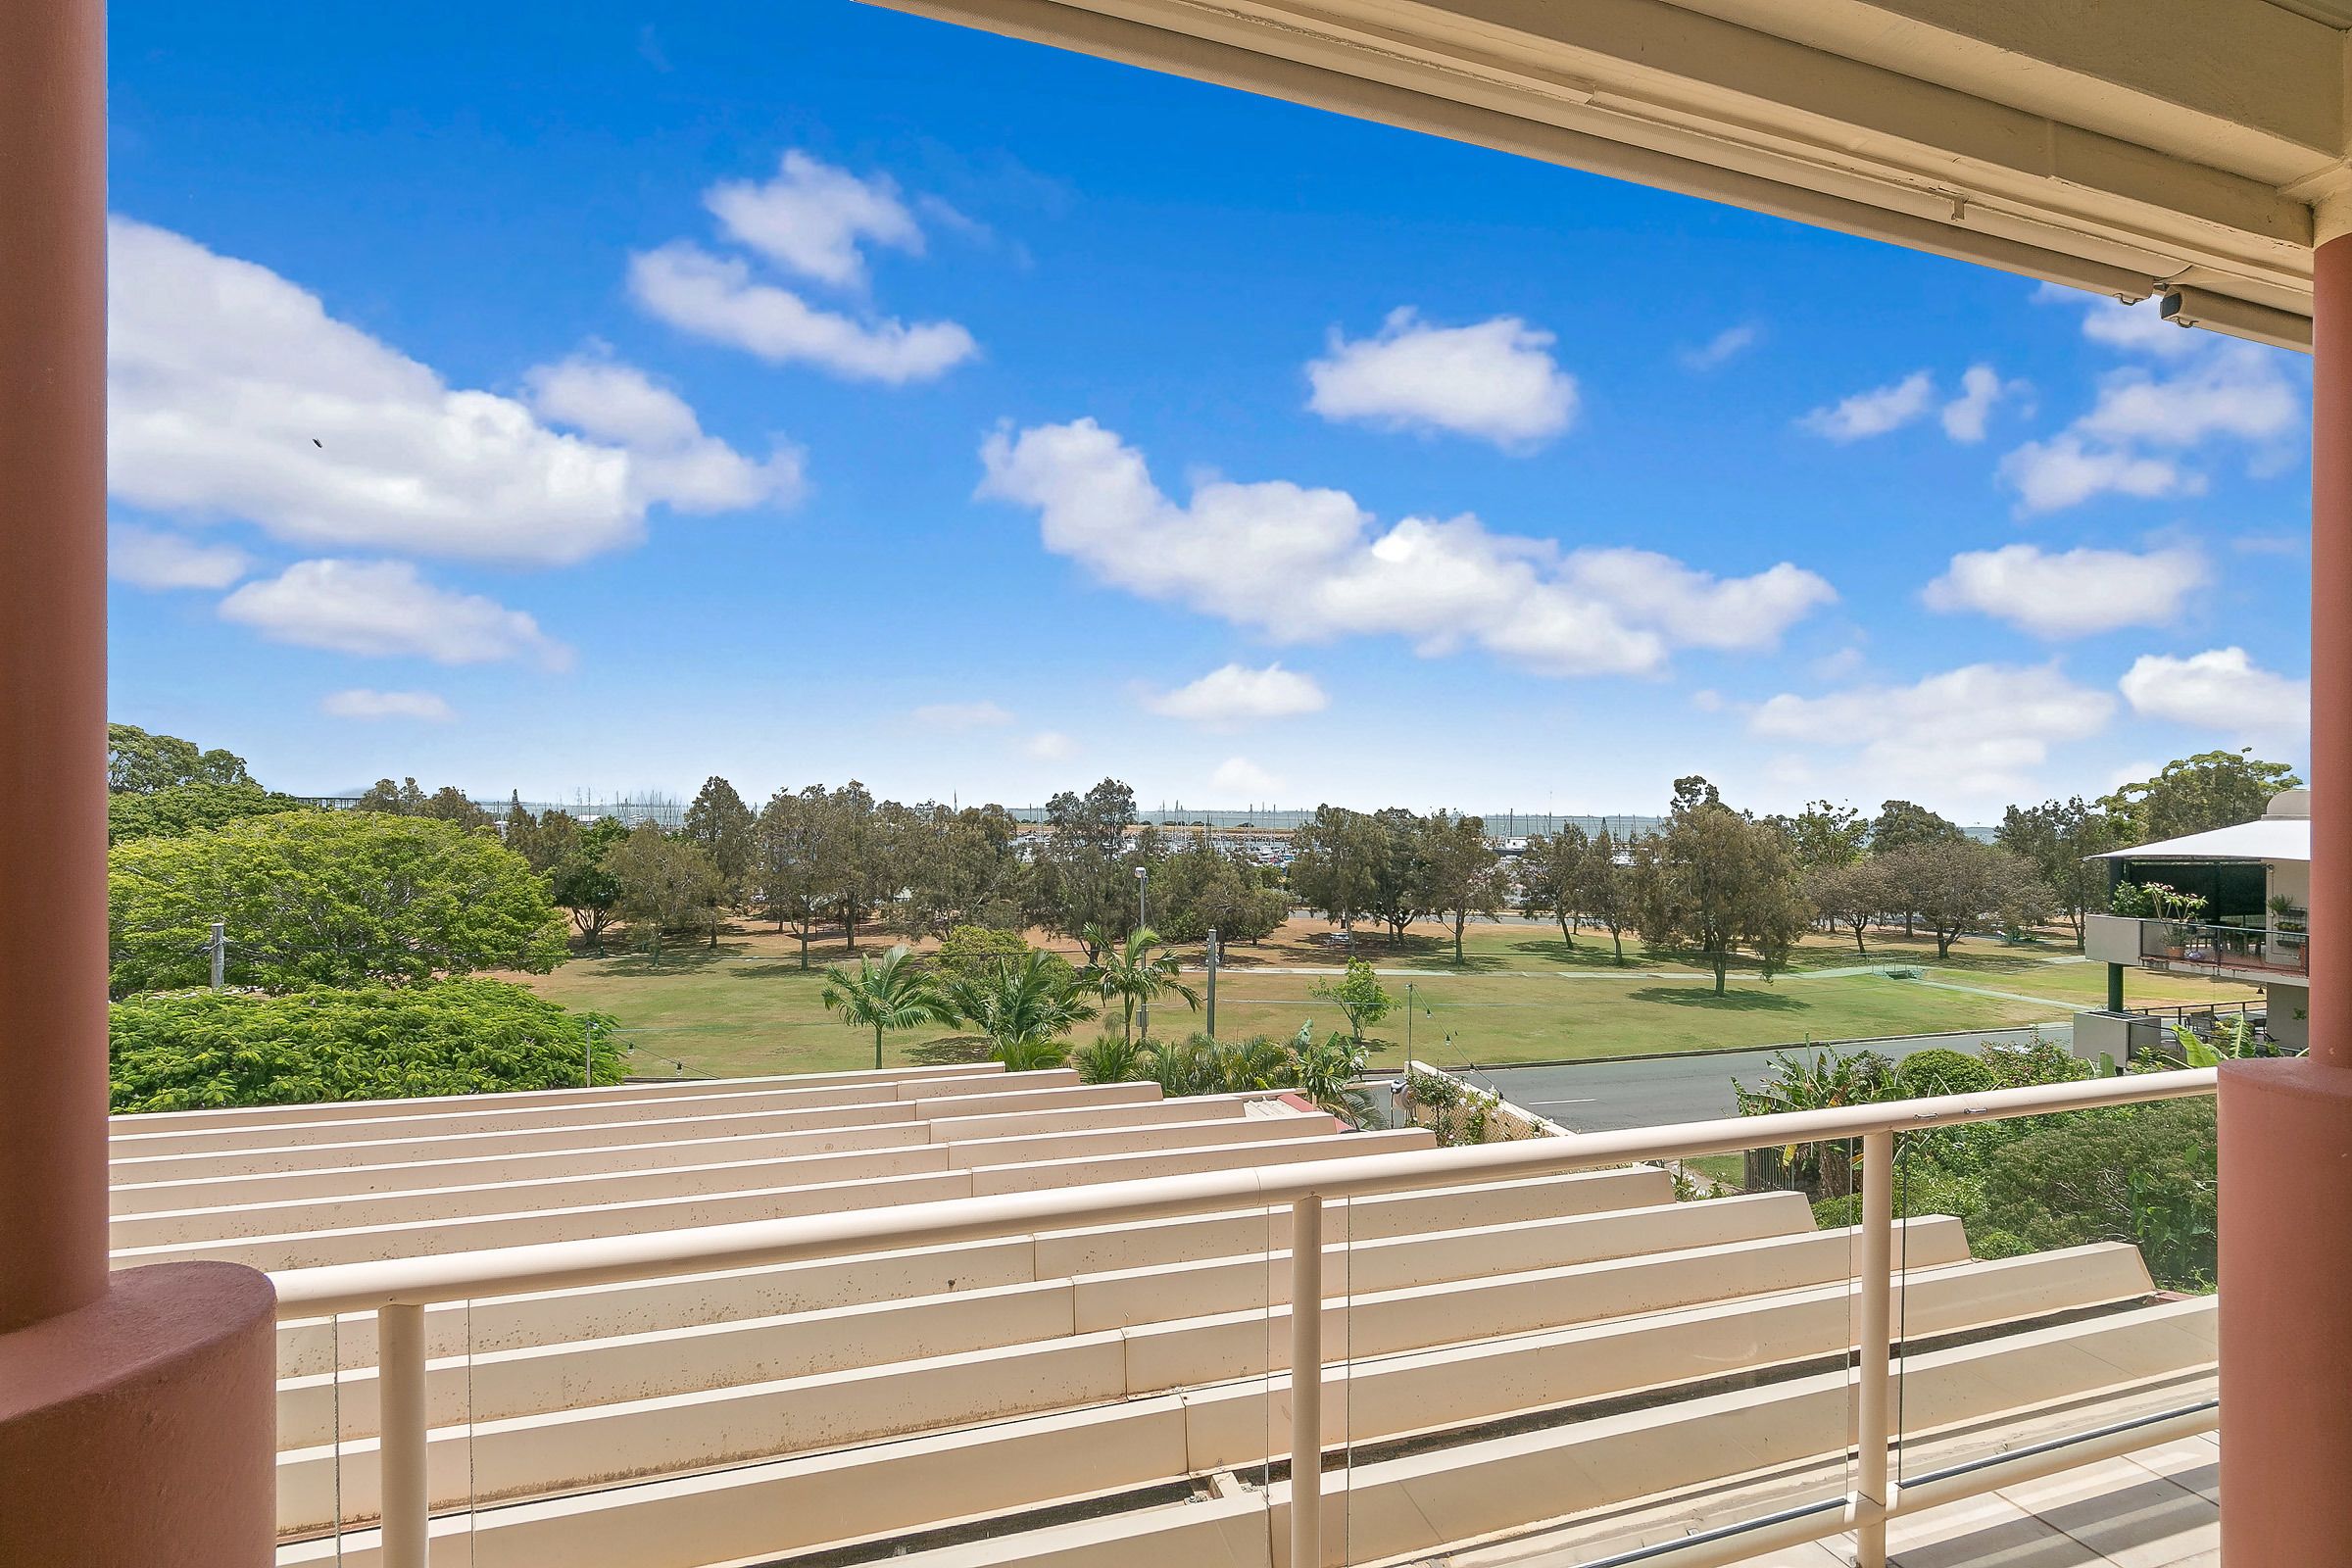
(2272, 837)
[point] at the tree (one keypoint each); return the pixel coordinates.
(885, 995)
(1135, 971)
(1961, 886)
(1906, 825)
(326, 898)
(1199, 888)
(1823, 835)
(1601, 887)
(393, 800)
(1082, 864)
(719, 824)
(1019, 1001)
(179, 809)
(1852, 896)
(160, 786)
(856, 864)
(666, 883)
(1325, 1073)
(2058, 839)
(971, 952)
(1361, 995)
(206, 1050)
(585, 890)
(140, 764)
(1457, 871)
(958, 868)
(792, 849)
(1337, 864)
(1548, 873)
(2141, 1174)
(2196, 794)
(1717, 881)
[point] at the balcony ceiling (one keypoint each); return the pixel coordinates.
(2170, 147)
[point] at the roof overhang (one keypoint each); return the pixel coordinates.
(2198, 153)
(2270, 838)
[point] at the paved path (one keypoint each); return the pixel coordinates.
(1693, 1086)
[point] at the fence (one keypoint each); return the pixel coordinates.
(398, 1291)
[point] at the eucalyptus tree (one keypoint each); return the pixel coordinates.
(1601, 886)
(720, 825)
(1718, 882)
(1457, 872)
(793, 876)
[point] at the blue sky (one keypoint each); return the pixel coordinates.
(546, 398)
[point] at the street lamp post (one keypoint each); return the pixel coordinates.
(1143, 922)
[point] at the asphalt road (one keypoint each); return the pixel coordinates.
(1605, 1096)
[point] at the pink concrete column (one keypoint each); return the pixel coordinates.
(52, 657)
(2286, 1126)
(136, 1409)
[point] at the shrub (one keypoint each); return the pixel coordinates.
(205, 1049)
(1109, 1059)
(1925, 1073)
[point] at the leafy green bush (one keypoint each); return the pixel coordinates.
(204, 1049)
(326, 898)
(1109, 1059)
(1925, 1073)
(2144, 1174)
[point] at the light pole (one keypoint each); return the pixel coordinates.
(1212, 982)
(1143, 922)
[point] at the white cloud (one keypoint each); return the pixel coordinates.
(145, 559)
(383, 608)
(1236, 694)
(2206, 389)
(1238, 775)
(2062, 472)
(360, 702)
(2222, 689)
(1723, 347)
(1050, 745)
(2076, 593)
(1979, 731)
(715, 297)
(671, 459)
(1876, 412)
(1982, 390)
(234, 393)
(961, 716)
(1300, 565)
(812, 218)
(1496, 380)
(2231, 389)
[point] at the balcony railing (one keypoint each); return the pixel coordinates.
(2180, 944)
(398, 1291)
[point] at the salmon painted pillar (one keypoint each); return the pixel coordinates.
(135, 1408)
(2286, 1126)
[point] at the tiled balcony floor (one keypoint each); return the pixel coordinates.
(2158, 1508)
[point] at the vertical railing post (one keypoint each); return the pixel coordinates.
(1875, 1339)
(1307, 1383)
(401, 1444)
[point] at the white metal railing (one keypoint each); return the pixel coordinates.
(398, 1290)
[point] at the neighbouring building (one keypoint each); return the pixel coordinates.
(2230, 905)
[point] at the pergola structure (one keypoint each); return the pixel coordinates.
(2193, 149)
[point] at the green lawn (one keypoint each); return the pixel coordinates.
(746, 1007)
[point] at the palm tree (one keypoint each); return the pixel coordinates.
(1256, 1062)
(893, 993)
(1025, 1002)
(1325, 1073)
(1109, 1059)
(1137, 971)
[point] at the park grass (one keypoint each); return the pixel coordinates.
(746, 1007)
